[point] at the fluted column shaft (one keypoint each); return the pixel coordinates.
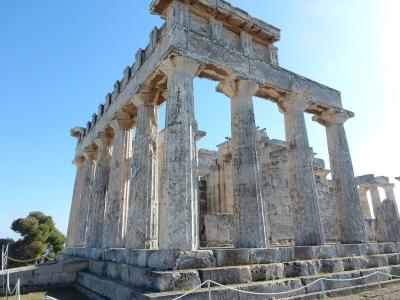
(350, 218)
(72, 228)
(142, 229)
(114, 229)
(180, 224)
(86, 194)
(248, 206)
(301, 180)
(100, 185)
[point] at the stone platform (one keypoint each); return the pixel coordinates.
(156, 274)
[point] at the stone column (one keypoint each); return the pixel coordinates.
(248, 206)
(389, 192)
(180, 230)
(78, 162)
(350, 218)
(302, 186)
(387, 222)
(114, 228)
(142, 229)
(375, 198)
(100, 185)
(362, 192)
(86, 194)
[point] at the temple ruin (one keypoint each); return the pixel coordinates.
(153, 216)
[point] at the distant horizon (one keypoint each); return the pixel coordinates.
(60, 59)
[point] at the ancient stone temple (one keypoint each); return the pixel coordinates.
(152, 216)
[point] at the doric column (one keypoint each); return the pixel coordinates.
(86, 194)
(350, 218)
(362, 192)
(180, 169)
(142, 229)
(114, 229)
(100, 185)
(301, 180)
(78, 162)
(387, 222)
(389, 192)
(375, 198)
(248, 206)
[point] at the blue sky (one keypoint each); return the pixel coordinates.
(58, 59)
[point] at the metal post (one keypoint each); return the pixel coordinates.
(209, 291)
(321, 280)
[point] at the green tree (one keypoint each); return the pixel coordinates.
(39, 237)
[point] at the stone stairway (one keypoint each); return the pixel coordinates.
(272, 270)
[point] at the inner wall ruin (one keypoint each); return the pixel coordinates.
(156, 190)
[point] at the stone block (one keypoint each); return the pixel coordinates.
(385, 248)
(265, 256)
(163, 259)
(141, 277)
(393, 259)
(138, 257)
(124, 293)
(228, 275)
(305, 252)
(230, 257)
(328, 251)
(346, 250)
(75, 266)
(124, 273)
(295, 269)
(372, 249)
(195, 260)
(351, 263)
(97, 267)
(112, 270)
(287, 254)
(176, 280)
(115, 255)
(331, 265)
(377, 261)
(267, 272)
(313, 267)
(335, 284)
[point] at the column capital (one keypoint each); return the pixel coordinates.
(148, 95)
(122, 120)
(104, 138)
(236, 85)
(334, 115)
(293, 102)
(180, 64)
(90, 152)
(79, 160)
(362, 188)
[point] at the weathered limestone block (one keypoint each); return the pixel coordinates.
(387, 222)
(348, 208)
(86, 195)
(114, 228)
(248, 209)
(142, 229)
(100, 185)
(179, 198)
(73, 220)
(302, 186)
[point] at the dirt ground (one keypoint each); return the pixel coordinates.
(61, 294)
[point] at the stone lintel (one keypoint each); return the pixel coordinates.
(77, 132)
(232, 17)
(365, 179)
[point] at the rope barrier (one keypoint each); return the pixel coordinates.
(320, 280)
